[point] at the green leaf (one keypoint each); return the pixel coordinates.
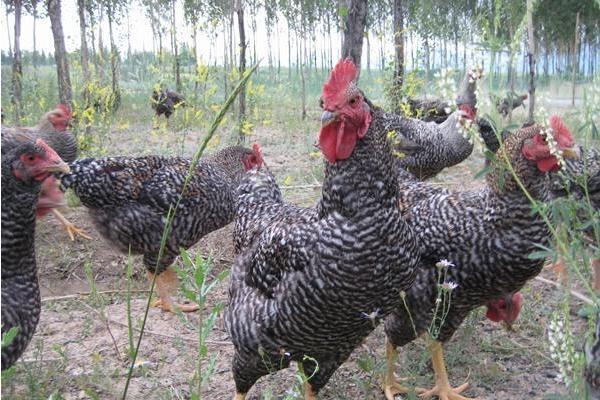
(9, 336)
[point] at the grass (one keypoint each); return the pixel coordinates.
(84, 360)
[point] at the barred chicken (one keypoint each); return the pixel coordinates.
(52, 128)
(314, 284)
(511, 101)
(592, 367)
(441, 144)
(166, 102)
(484, 238)
(129, 198)
(24, 167)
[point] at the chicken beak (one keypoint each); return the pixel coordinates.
(58, 166)
(571, 152)
(327, 118)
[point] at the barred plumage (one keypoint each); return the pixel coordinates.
(307, 280)
(24, 167)
(442, 144)
(487, 234)
(129, 199)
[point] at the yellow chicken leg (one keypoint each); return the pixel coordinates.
(391, 385)
(72, 230)
(166, 286)
(239, 396)
(442, 388)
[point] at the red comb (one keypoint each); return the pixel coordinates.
(561, 133)
(65, 109)
(334, 90)
(47, 149)
(258, 153)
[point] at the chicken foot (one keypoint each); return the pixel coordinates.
(72, 230)
(442, 388)
(166, 286)
(391, 384)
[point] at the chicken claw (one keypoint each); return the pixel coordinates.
(174, 307)
(72, 230)
(391, 385)
(445, 392)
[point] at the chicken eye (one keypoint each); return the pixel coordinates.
(353, 100)
(31, 157)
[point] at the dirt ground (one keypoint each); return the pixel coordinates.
(79, 347)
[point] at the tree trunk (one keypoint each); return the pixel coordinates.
(85, 66)
(368, 53)
(101, 57)
(34, 4)
(10, 51)
(427, 60)
(197, 58)
(17, 65)
(398, 45)
(60, 53)
(128, 37)
(354, 30)
(289, 40)
(575, 57)
(177, 66)
(114, 55)
(242, 96)
(302, 79)
(531, 59)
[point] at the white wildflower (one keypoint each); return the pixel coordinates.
(444, 264)
(372, 315)
(449, 286)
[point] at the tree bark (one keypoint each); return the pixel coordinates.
(398, 44)
(177, 66)
(60, 53)
(114, 54)
(34, 4)
(85, 63)
(531, 60)
(354, 30)
(10, 51)
(17, 65)
(575, 58)
(242, 69)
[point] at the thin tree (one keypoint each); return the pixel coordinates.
(398, 16)
(355, 12)
(85, 63)
(177, 64)
(31, 7)
(17, 65)
(60, 52)
(239, 9)
(531, 59)
(575, 57)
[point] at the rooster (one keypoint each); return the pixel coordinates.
(484, 237)
(129, 199)
(314, 284)
(24, 168)
(166, 102)
(52, 128)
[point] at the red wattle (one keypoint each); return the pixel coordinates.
(493, 315)
(337, 141)
(548, 164)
